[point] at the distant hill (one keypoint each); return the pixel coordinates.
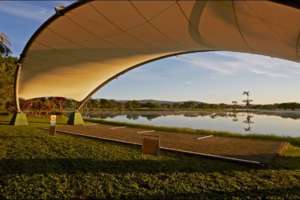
(152, 101)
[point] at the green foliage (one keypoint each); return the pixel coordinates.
(47, 105)
(7, 70)
(285, 106)
(34, 165)
(144, 105)
(153, 105)
(4, 45)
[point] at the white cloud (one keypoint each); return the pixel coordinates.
(230, 63)
(187, 83)
(271, 74)
(219, 66)
(23, 9)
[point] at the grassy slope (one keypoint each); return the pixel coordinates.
(35, 165)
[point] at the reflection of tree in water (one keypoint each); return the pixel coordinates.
(220, 114)
(132, 116)
(214, 115)
(192, 114)
(234, 117)
(248, 116)
(248, 121)
(149, 117)
(104, 115)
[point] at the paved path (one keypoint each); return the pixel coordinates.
(236, 148)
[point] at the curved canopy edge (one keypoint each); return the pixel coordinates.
(89, 43)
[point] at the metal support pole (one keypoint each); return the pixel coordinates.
(16, 89)
(82, 103)
(19, 118)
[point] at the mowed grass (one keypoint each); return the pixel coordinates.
(34, 165)
(34, 120)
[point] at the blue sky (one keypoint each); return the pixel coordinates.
(210, 77)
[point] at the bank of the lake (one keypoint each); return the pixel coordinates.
(221, 112)
(292, 140)
(240, 122)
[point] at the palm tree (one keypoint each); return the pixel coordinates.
(4, 45)
(247, 101)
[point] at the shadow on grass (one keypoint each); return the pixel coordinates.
(285, 193)
(4, 122)
(67, 165)
(19, 137)
(290, 163)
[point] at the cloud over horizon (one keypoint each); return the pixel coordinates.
(233, 63)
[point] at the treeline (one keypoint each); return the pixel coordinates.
(105, 104)
(8, 67)
(7, 71)
(283, 106)
(47, 105)
(61, 105)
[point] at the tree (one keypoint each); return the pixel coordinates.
(4, 45)
(247, 101)
(234, 104)
(7, 70)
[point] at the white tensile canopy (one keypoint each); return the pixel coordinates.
(87, 44)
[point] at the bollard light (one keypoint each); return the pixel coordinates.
(52, 129)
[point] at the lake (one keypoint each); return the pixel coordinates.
(241, 122)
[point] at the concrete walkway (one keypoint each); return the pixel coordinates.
(253, 151)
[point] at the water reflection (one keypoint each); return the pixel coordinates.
(248, 121)
(234, 117)
(240, 122)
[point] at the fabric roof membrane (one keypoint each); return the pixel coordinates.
(72, 54)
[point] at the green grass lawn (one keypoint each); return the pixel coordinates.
(35, 165)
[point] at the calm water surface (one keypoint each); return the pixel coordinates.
(243, 123)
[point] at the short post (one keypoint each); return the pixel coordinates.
(52, 129)
(151, 144)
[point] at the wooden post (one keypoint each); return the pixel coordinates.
(151, 144)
